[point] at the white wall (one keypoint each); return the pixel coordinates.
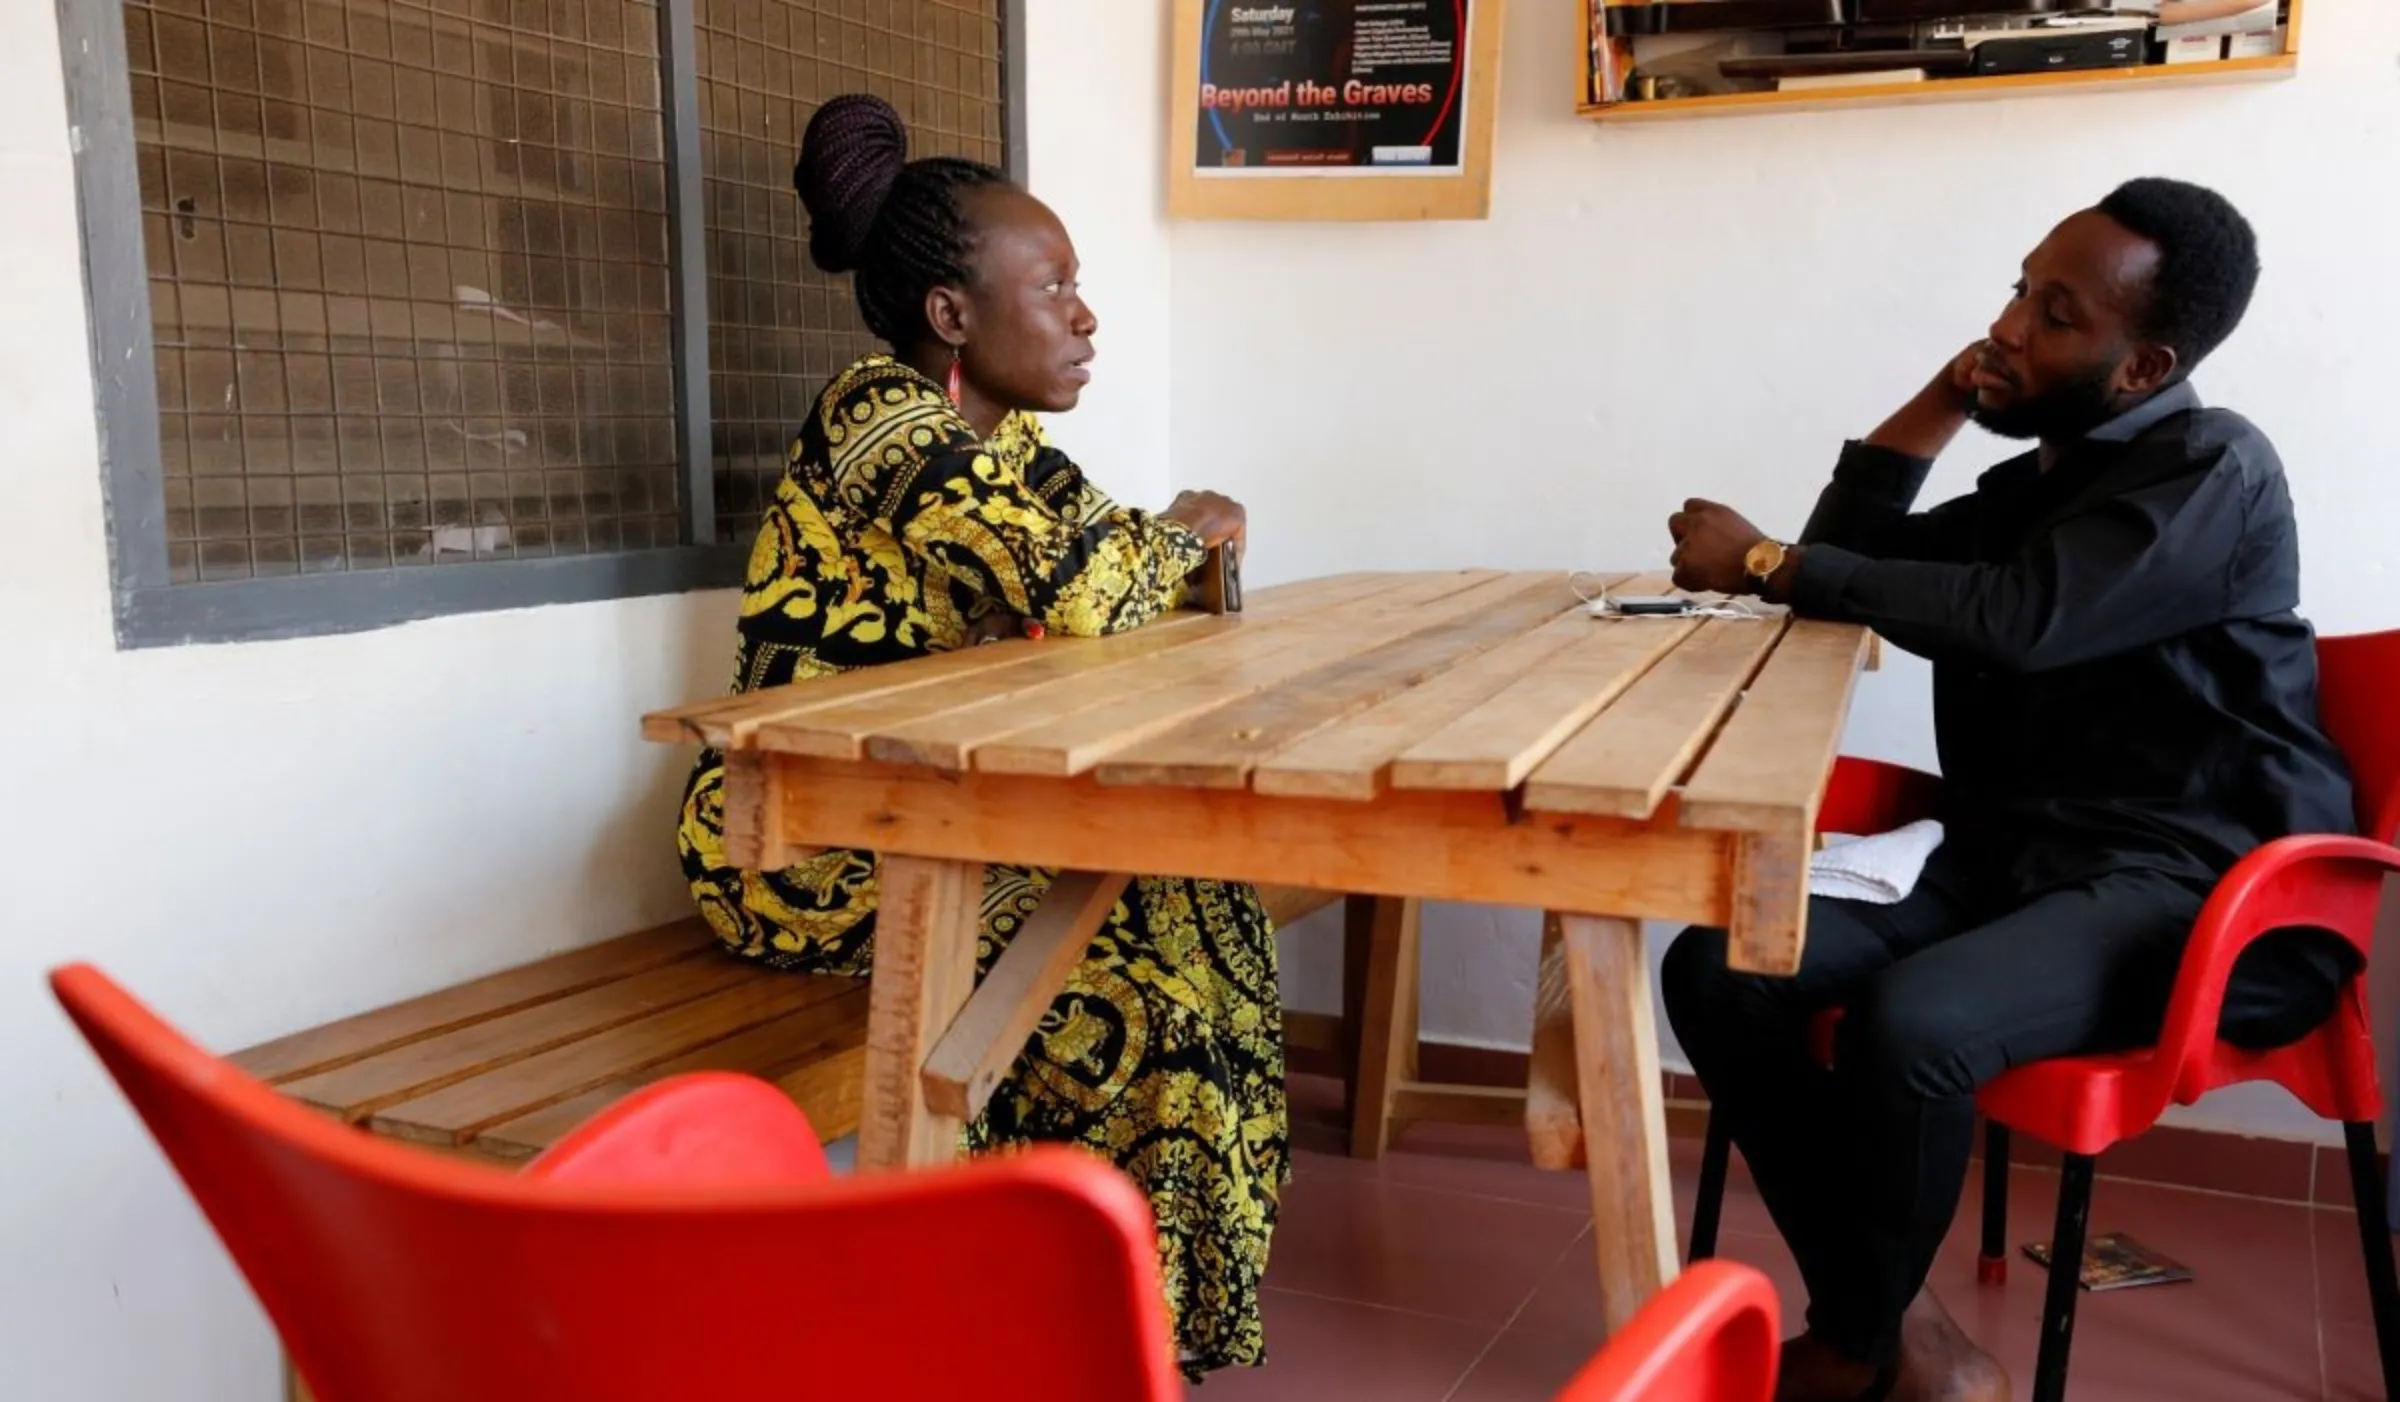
(1096, 126)
(257, 838)
(1709, 308)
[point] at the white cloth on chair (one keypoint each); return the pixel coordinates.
(1880, 870)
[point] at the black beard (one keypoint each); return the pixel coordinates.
(2068, 412)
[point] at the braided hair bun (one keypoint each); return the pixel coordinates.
(852, 155)
(904, 227)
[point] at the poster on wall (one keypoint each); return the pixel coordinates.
(1334, 109)
(1289, 89)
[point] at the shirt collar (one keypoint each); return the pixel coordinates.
(2142, 417)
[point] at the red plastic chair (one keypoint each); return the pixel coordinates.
(2085, 1104)
(1712, 1336)
(687, 1242)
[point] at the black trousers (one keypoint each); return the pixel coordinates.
(1862, 1165)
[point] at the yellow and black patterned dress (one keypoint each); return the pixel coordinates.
(895, 527)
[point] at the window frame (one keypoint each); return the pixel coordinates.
(150, 611)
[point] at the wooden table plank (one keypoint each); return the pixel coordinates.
(1768, 769)
(941, 725)
(1218, 749)
(336, 1044)
(732, 720)
(452, 1113)
(1497, 744)
(1352, 760)
(1622, 764)
(1069, 737)
(1764, 778)
(1441, 846)
(769, 1050)
(365, 1086)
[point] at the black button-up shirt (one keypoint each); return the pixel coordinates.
(2120, 677)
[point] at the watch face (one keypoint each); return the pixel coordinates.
(1765, 558)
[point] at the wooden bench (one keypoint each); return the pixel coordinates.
(498, 1068)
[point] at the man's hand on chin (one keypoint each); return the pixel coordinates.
(1711, 541)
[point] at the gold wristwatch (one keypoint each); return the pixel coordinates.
(1763, 560)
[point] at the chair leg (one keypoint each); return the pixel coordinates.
(1991, 1268)
(1716, 1156)
(2066, 1277)
(2375, 1237)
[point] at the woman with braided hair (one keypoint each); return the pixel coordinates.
(924, 510)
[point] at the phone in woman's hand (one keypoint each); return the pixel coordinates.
(1220, 581)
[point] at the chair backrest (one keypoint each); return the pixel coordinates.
(666, 1258)
(1712, 1336)
(1865, 797)
(2358, 695)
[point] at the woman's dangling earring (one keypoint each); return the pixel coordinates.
(954, 375)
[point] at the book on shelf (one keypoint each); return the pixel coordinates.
(1810, 82)
(2261, 19)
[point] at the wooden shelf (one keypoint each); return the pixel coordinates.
(2154, 77)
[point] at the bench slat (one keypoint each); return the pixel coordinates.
(453, 1113)
(824, 1028)
(364, 1087)
(320, 1049)
(831, 1089)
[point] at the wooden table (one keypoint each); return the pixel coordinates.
(1466, 736)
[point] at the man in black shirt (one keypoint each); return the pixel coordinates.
(2125, 705)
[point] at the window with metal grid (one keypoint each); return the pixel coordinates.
(778, 328)
(453, 304)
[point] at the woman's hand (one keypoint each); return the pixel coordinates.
(1214, 518)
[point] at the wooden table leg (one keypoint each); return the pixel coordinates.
(1553, 1103)
(1358, 943)
(1387, 1055)
(1770, 903)
(1624, 1115)
(924, 972)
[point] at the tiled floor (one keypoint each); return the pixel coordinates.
(1452, 1269)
